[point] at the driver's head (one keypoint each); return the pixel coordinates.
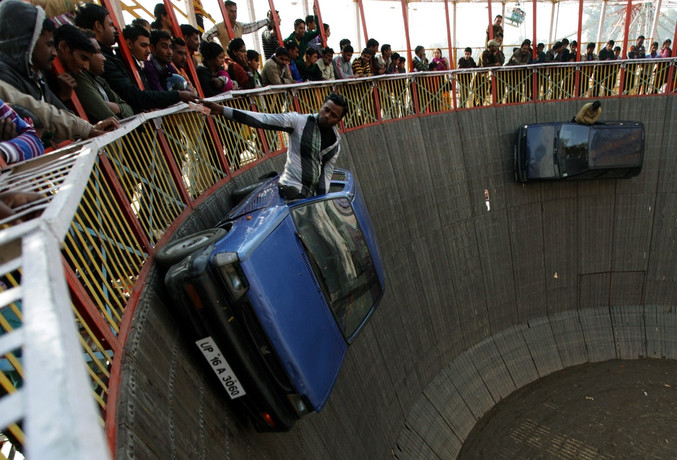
(333, 110)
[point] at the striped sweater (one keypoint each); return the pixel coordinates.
(25, 145)
(309, 167)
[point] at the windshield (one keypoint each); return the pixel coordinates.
(573, 149)
(340, 258)
(616, 147)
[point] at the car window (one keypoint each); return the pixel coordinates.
(616, 146)
(573, 149)
(340, 259)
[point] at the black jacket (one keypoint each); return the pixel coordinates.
(121, 82)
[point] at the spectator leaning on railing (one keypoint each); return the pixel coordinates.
(96, 18)
(342, 66)
(362, 64)
(326, 64)
(96, 96)
(420, 61)
(276, 69)
(59, 124)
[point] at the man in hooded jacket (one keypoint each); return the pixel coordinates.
(27, 49)
(26, 52)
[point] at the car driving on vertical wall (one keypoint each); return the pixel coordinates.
(549, 151)
(276, 293)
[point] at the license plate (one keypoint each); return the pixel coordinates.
(221, 367)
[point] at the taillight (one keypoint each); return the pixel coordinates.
(268, 419)
(194, 296)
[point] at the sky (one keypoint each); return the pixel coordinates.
(427, 21)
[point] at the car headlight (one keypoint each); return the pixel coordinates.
(231, 273)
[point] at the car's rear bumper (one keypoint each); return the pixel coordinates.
(202, 301)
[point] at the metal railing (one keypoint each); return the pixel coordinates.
(70, 279)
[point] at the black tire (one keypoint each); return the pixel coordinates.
(175, 251)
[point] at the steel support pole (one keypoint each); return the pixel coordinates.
(363, 21)
(320, 24)
(579, 34)
(628, 15)
(405, 17)
(601, 25)
(446, 16)
(654, 26)
(455, 43)
(552, 22)
(535, 39)
(276, 20)
(113, 6)
(534, 51)
(190, 13)
(577, 80)
(257, 36)
(628, 18)
(192, 71)
(491, 22)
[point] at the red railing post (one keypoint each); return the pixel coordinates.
(414, 95)
(125, 206)
(491, 22)
(89, 312)
(577, 80)
(276, 21)
(177, 32)
(127, 55)
(226, 19)
(628, 18)
(364, 22)
(320, 24)
(377, 100)
(75, 100)
(174, 169)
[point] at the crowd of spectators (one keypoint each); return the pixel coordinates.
(110, 86)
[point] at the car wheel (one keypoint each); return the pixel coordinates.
(175, 251)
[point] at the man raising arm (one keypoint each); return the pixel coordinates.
(314, 143)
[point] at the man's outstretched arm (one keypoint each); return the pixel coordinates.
(271, 121)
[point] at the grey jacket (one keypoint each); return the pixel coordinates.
(20, 28)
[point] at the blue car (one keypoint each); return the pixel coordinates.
(553, 151)
(275, 294)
